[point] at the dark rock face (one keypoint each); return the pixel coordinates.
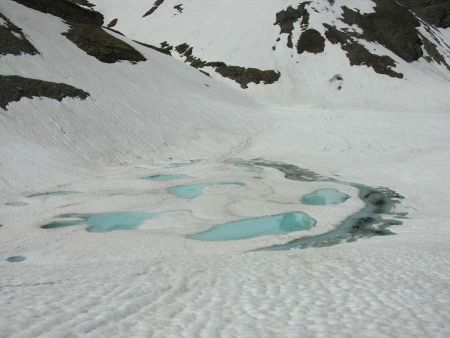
(13, 88)
(150, 11)
(82, 3)
(101, 45)
(114, 30)
(162, 50)
(12, 39)
(182, 48)
(241, 75)
(195, 61)
(392, 26)
(336, 82)
(86, 31)
(310, 41)
(113, 22)
(434, 53)
(286, 19)
(154, 8)
(66, 10)
(434, 12)
(244, 76)
(179, 8)
(359, 55)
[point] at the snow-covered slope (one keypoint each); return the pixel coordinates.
(246, 33)
(143, 109)
(87, 113)
(153, 109)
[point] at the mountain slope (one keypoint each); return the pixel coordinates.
(378, 39)
(162, 133)
(145, 110)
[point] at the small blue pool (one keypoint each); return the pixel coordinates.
(115, 221)
(191, 191)
(256, 227)
(325, 197)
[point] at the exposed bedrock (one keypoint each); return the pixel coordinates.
(310, 41)
(288, 17)
(390, 25)
(434, 12)
(243, 76)
(86, 31)
(13, 88)
(12, 39)
(359, 55)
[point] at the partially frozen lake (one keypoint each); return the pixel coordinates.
(237, 207)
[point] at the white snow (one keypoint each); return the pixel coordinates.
(141, 119)
(248, 38)
(3, 23)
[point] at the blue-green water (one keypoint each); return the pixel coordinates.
(104, 222)
(325, 197)
(381, 202)
(115, 221)
(256, 227)
(191, 191)
(15, 259)
(163, 178)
